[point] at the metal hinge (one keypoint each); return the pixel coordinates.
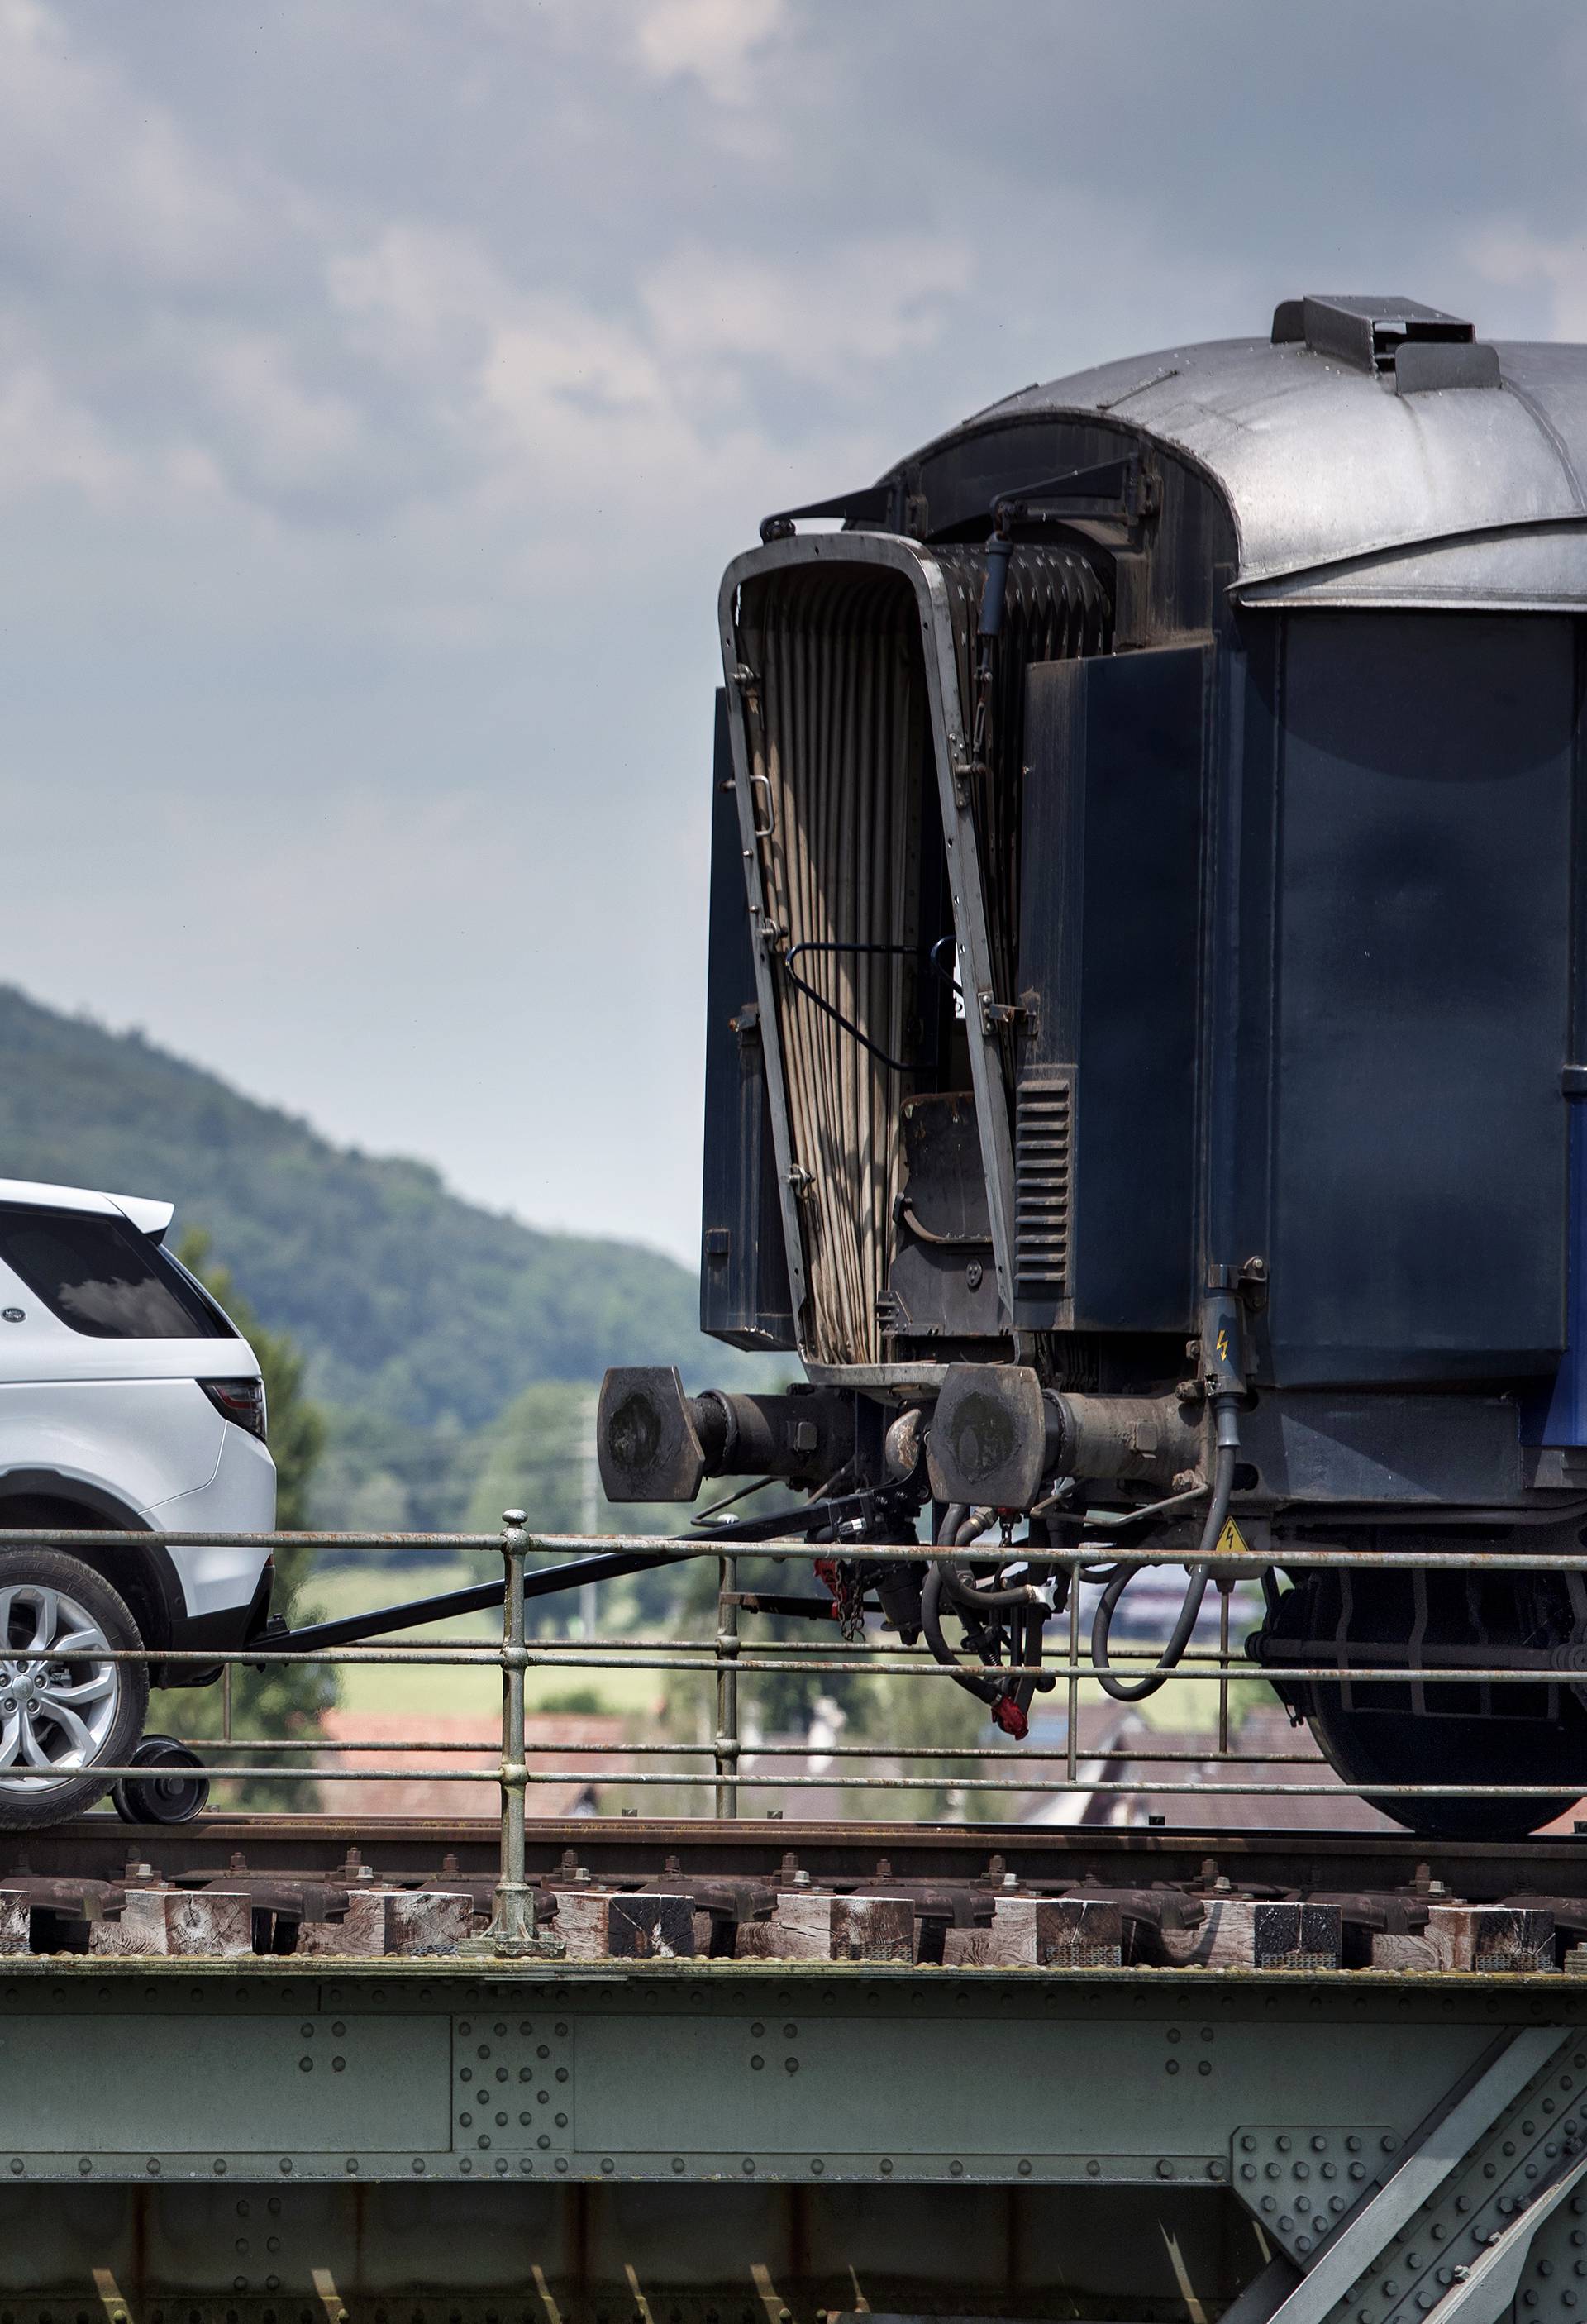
(1002, 1016)
(1251, 1283)
(1143, 495)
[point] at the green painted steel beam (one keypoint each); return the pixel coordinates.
(694, 2072)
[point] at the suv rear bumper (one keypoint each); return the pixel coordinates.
(222, 1631)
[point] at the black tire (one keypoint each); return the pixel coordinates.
(1499, 1734)
(29, 1579)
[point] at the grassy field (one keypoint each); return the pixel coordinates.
(422, 1692)
(428, 1691)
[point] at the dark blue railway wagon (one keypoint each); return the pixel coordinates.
(1147, 1034)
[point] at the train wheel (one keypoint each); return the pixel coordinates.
(1459, 1733)
(175, 1790)
(1369, 1751)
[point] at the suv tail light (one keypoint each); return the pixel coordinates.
(242, 1400)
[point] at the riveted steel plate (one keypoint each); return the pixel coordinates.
(1300, 2181)
(787, 2084)
(119, 2086)
(675, 2073)
(512, 2084)
(1533, 2141)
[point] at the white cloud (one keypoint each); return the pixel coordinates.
(835, 318)
(47, 442)
(551, 398)
(102, 176)
(420, 295)
(289, 435)
(723, 44)
(653, 406)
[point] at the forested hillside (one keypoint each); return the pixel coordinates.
(410, 1304)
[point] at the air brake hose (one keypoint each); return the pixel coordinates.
(1008, 1701)
(990, 1601)
(985, 1690)
(962, 1526)
(1030, 1651)
(1226, 1420)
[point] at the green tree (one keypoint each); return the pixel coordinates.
(928, 1713)
(879, 1710)
(286, 1699)
(538, 1455)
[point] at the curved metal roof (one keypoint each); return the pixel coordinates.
(1348, 487)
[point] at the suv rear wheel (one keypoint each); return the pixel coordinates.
(60, 1721)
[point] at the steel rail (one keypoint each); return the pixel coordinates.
(875, 1843)
(984, 1847)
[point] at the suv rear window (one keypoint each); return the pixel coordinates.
(101, 1276)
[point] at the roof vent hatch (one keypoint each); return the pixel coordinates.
(1417, 348)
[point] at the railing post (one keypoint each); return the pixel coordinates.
(512, 1933)
(728, 1744)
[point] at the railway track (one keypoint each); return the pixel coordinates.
(99, 1845)
(723, 1893)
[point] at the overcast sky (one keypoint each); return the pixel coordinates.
(383, 384)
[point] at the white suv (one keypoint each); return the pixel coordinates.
(128, 1403)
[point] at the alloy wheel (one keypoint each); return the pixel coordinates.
(55, 1715)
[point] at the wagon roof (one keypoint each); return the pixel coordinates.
(1352, 483)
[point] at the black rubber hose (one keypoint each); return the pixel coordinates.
(1137, 1690)
(1028, 1649)
(958, 1585)
(984, 1690)
(965, 1593)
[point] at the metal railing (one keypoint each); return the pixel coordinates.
(727, 1659)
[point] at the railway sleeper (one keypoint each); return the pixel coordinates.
(1208, 1923)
